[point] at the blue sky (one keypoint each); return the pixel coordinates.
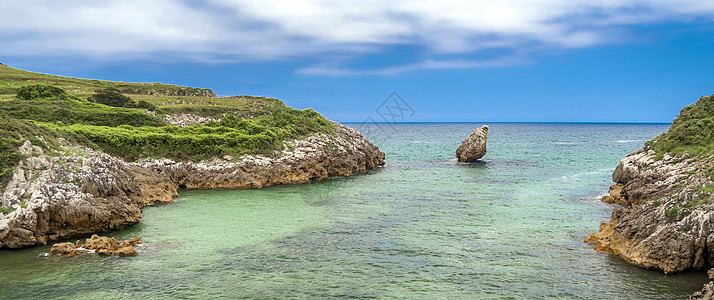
(479, 61)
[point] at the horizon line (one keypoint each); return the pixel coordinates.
(517, 122)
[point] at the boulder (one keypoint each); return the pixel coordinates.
(65, 249)
(474, 146)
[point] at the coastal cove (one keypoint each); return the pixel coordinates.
(424, 225)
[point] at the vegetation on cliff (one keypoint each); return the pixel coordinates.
(101, 115)
(691, 132)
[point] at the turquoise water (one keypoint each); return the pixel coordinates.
(423, 226)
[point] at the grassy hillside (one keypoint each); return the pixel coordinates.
(692, 131)
(12, 79)
(43, 108)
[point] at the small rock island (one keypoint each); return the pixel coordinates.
(474, 146)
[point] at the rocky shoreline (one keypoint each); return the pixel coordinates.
(665, 220)
(83, 191)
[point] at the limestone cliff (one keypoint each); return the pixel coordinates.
(666, 218)
(84, 191)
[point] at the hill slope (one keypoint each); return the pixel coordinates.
(209, 126)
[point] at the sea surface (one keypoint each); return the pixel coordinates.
(423, 226)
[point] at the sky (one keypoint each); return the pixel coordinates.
(450, 60)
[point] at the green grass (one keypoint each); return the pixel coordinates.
(230, 136)
(691, 132)
(74, 111)
(672, 213)
(5, 209)
(42, 114)
(703, 197)
(11, 80)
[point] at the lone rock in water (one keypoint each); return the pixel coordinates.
(474, 146)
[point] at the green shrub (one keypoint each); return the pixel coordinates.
(672, 213)
(230, 136)
(78, 111)
(41, 91)
(145, 105)
(5, 209)
(692, 131)
(112, 97)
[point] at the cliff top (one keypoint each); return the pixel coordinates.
(691, 132)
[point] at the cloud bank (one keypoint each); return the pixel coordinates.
(446, 34)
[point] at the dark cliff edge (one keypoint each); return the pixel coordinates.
(665, 220)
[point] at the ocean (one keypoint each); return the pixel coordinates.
(423, 226)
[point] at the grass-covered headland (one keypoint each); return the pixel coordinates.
(127, 119)
(691, 132)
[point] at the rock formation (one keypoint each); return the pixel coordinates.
(97, 244)
(707, 292)
(474, 146)
(84, 191)
(666, 218)
(314, 158)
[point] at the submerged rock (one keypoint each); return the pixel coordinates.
(97, 244)
(474, 146)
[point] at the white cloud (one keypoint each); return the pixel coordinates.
(252, 30)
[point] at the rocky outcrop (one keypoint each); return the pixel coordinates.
(82, 191)
(97, 244)
(183, 120)
(79, 192)
(666, 218)
(474, 146)
(707, 292)
(318, 157)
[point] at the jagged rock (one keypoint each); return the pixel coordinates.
(706, 293)
(344, 152)
(65, 249)
(89, 191)
(474, 146)
(183, 120)
(97, 244)
(666, 218)
(615, 196)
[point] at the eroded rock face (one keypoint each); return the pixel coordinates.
(84, 191)
(474, 146)
(344, 152)
(77, 193)
(666, 218)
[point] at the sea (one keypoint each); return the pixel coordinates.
(424, 226)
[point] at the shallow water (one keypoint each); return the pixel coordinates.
(423, 226)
